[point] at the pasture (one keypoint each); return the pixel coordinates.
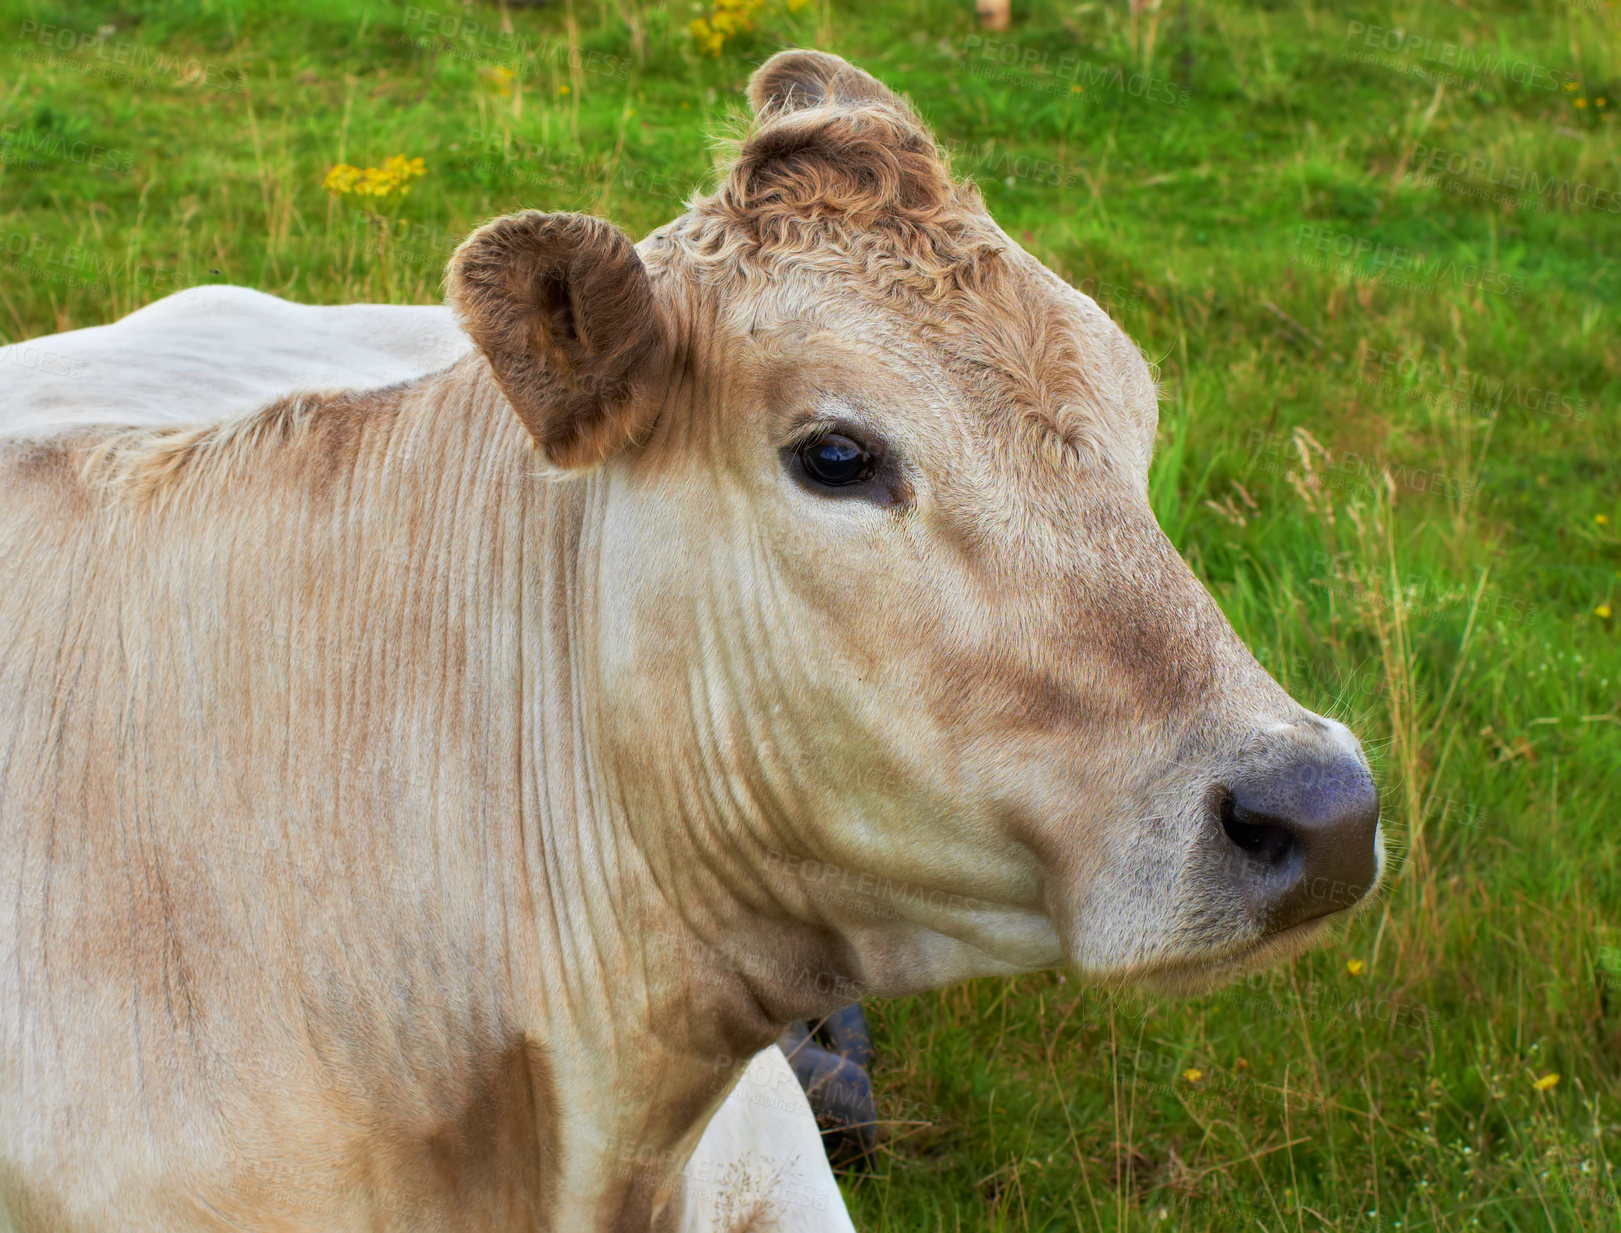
(1376, 255)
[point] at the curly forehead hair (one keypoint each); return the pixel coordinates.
(837, 178)
(835, 171)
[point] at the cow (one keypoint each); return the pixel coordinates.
(419, 804)
(215, 351)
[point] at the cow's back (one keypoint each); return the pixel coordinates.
(212, 352)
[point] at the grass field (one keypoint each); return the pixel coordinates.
(1377, 255)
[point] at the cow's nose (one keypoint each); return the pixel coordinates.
(1304, 836)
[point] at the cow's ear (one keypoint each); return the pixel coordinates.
(562, 307)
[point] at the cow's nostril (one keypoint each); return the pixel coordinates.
(1307, 826)
(1266, 838)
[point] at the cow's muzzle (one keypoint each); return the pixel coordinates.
(1303, 830)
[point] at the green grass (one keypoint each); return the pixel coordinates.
(1278, 247)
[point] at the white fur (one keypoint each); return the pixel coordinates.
(212, 352)
(761, 1158)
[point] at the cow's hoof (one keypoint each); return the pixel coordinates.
(832, 1068)
(846, 1033)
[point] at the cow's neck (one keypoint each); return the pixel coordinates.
(393, 582)
(396, 684)
(647, 989)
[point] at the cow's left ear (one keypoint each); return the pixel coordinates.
(562, 307)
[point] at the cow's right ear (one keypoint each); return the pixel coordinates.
(562, 307)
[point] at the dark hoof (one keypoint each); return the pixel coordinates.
(836, 1082)
(845, 1032)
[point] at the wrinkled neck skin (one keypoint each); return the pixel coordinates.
(527, 837)
(660, 919)
(679, 919)
(371, 639)
(516, 843)
(529, 840)
(644, 1027)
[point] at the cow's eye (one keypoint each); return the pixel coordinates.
(835, 460)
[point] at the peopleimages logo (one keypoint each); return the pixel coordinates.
(1468, 388)
(33, 255)
(1394, 40)
(1037, 68)
(19, 145)
(91, 53)
(1429, 162)
(1397, 265)
(1349, 471)
(467, 38)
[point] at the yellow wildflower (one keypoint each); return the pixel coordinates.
(709, 41)
(1570, 87)
(341, 179)
(1602, 612)
(1354, 966)
(1601, 519)
(1550, 1080)
(731, 17)
(392, 179)
(1192, 1074)
(1581, 104)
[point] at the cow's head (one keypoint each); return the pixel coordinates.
(883, 635)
